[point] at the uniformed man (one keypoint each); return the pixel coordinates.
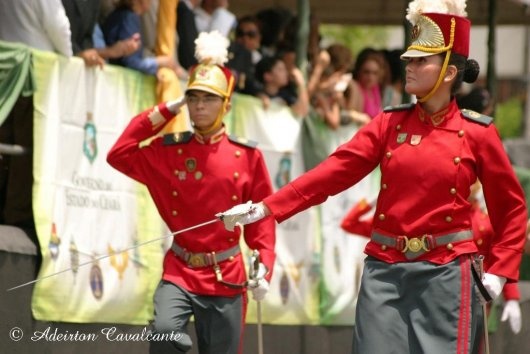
(191, 177)
(419, 290)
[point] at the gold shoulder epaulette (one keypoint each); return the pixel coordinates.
(399, 107)
(177, 138)
(242, 141)
(476, 117)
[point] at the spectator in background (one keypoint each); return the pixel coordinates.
(187, 32)
(332, 89)
(41, 24)
(122, 23)
(245, 54)
(213, 15)
(368, 73)
(272, 73)
(83, 17)
(393, 91)
(248, 34)
(273, 24)
(478, 100)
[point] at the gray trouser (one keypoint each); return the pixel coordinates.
(218, 321)
(417, 307)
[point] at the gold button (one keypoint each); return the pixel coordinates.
(179, 151)
(175, 193)
(383, 247)
(230, 239)
(174, 213)
(448, 219)
(461, 133)
(384, 186)
(231, 258)
(381, 217)
(236, 175)
(481, 228)
(456, 160)
(449, 246)
(453, 190)
(234, 197)
(479, 241)
(398, 127)
(238, 153)
(388, 154)
(176, 172)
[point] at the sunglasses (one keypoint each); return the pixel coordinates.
(249, 34)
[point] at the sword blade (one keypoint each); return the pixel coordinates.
(114, 253)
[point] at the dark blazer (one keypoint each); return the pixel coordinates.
(187, 32)
(83, 15)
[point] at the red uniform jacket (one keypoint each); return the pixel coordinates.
(426, 173)
(190, 181)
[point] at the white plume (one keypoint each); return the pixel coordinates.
(453, 7)
(212, 48)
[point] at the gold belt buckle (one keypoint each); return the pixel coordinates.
(415, 244)
(196, 260)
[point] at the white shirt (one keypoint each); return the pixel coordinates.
(41, 24)
(221, 19)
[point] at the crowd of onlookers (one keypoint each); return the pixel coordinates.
(337, 87)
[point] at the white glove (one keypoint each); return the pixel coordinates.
(493, 284)
(174, 106)
(259, 288)
(242, 214)
(512, 313)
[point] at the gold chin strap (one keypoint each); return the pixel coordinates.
(440, 78)
(218, 121)
(444, 66)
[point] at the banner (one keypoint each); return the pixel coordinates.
(86, 212)
(83, 208)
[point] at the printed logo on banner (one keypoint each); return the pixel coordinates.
(284, 287)
(96, 281)
(54, 243)
(118, 260)
(284, 171)
(74, 257)
(90, 148)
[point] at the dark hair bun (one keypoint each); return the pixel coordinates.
(471, 71)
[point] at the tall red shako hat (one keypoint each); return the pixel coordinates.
(210, 74)
(438, 26)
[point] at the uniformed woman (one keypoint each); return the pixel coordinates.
(419, 291)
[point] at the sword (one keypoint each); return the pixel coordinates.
(254, 274)
(117, 252)
(484, 309)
